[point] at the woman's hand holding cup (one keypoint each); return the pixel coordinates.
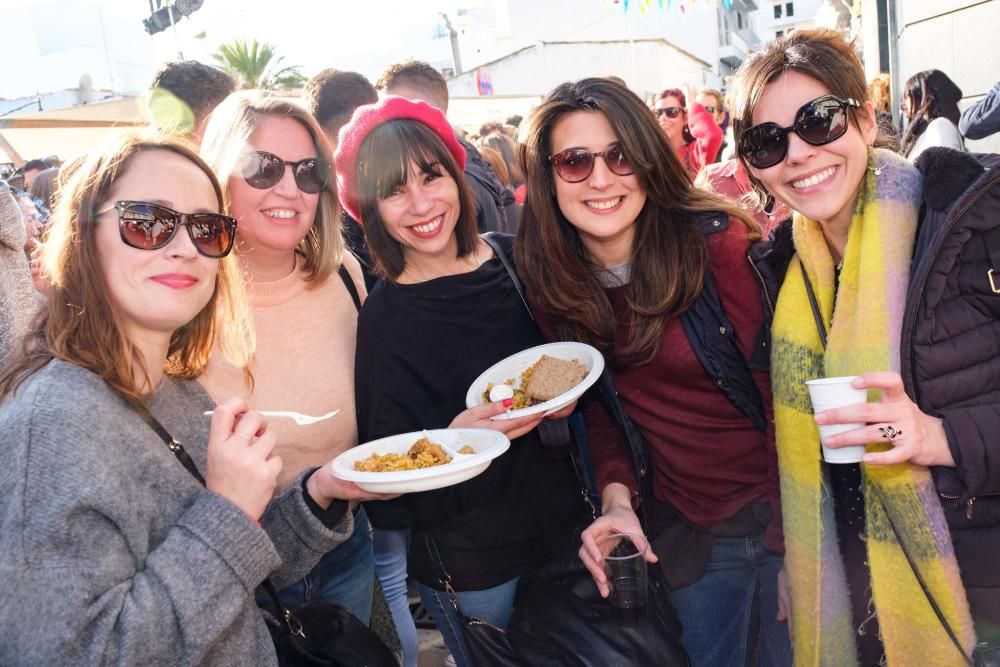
(618, 517)
(240, 466)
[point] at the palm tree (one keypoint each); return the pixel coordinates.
(257, 65)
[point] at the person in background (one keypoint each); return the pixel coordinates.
(183, 94)
(730, 178)
(273, 158)
(617, 249)
(30, 170)
(692, 132)
(417, 80)
(18, 303)
(881, 97)
(930, 103)
(715, 105)
(113, 551)
(868, 231)
(499, 167)
(331, 97)
(982, 119)
(445, 311)
(43, 190)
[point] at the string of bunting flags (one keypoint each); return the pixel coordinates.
(645, 5)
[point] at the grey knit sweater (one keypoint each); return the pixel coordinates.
(18, 298)
(112, 554)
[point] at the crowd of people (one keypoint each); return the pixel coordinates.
(352, 251)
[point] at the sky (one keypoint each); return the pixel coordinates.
(51, 44)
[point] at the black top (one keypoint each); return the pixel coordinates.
(419, 348)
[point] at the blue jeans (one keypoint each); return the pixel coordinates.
(390, 564)
(493, 605)
(734, 600)
(344, 576)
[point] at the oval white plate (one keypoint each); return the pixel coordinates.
(488, 445)
(513, 366)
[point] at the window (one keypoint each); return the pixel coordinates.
(789, 9)
(739, 20)
(778, 33)
(777, 11)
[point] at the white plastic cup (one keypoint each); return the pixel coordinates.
(829, 393)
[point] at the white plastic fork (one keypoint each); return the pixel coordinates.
(299, 418)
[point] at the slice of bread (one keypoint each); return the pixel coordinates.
(551, 377)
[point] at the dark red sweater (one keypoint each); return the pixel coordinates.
(707, 459)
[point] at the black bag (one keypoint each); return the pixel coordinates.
(317, 633)
(323, 634)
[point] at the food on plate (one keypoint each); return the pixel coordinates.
(501, 392)
(422, 454)
(467, 449)
(544, 380)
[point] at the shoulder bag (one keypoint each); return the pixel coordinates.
(314, 634)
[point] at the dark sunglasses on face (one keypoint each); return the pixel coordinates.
(709, 108)
(150, 226)
(263, 170)
(818, 122)
(669, 112)
(576, 164)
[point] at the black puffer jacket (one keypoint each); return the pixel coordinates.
(951, 352)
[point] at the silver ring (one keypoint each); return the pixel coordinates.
(889, 432)
(240, 435)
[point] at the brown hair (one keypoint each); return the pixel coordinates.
(495, 160)
(669, 255)
(226, 141)
(682, 98)
(82, 326)
(384, 164)
(821, 54)
(508, 151)
(421, 76)
(878, 93)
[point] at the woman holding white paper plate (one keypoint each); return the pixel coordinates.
(618, 250)
(445, 311)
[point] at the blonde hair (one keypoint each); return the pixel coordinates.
(75, 327)
(225, 145)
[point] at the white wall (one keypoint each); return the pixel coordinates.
(767, 25)
(647, 67)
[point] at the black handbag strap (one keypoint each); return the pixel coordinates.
(352, 289)
(294, 626)
(821, 329)
(491, 241)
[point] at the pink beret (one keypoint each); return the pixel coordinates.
(365, 119)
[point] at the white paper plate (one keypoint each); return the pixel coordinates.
(488, 445)
(513, 366)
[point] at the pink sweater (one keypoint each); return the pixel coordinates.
(306, 335)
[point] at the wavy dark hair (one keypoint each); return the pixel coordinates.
(932, 95)
(669, 254)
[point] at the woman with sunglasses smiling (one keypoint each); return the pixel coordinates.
(113, 552)
(890, 282)
(445, 311)
(617, 249)
(275, 163)
(692, 131)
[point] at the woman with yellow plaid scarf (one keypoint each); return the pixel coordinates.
(889, 283)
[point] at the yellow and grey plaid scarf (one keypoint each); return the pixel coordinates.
(864, 319)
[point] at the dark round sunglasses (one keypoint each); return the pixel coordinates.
(263, 170)
(150, 226)
(576, 164)
(669, 112)
(818, 122)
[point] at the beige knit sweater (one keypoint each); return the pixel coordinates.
(306, 336)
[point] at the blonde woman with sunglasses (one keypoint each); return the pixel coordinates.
(305, 291)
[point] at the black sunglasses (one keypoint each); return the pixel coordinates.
(576, 164)
(150, 226)
(818, 122)
(669, 112)
(263, 170)
(709, 108)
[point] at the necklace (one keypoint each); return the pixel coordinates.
(466, 264)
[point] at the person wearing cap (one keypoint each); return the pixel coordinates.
(445, 311)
